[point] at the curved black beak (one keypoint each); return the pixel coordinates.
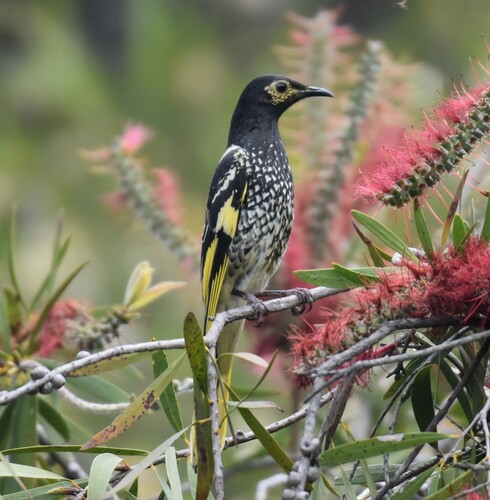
(317, 91)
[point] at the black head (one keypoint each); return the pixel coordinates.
(265, 99)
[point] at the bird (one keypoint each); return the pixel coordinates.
(249, 210)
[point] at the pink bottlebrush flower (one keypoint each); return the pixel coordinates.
(134, 136)
(167, 194)
(424, 156)
(455, 284)
(60, 319)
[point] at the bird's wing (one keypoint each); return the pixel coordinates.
(226, 196)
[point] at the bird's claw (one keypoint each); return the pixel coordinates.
(306, 298)
(259, 307)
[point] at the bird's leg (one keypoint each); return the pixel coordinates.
(302, 293)
(260, 309)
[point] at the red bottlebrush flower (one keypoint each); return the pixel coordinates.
(60, 319)
(167, 194)
(134, 136)
(423, 156)
(455, 284)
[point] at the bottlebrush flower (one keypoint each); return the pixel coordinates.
(424, 156)
(134, 136)
(64, 316)
(456, 284)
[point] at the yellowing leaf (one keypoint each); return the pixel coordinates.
(154, 293)
(141, 404)
(139, 281)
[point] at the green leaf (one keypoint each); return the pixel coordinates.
(50, 303)
(11, 258)
(410, 490)
(422, 398)
(168, 398)
(458, 230)
(423, 230)
(350, 493)
(373, 250)
(137, 469)
(19, 470)
(485, 231)
(4, 324)
(43, 492)
(94, 386)
(105, 365)
(196, 351)
(342, 277)
(173, 473)
(137, 408)
(54, 418)
(100, 473)
(388, 237)
(373, 447)
(265, 437)
(376, 471)
(59, 252)
(453, 381)
(357, 277)
(75, 448)
(364, 465)
(453, 488)
(452, 210)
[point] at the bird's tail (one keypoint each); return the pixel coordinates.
(225, 349)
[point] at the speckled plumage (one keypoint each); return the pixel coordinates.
(250, 206)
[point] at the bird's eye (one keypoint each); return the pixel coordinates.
(281, 87)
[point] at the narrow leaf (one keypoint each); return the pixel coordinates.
(196, 351)
(72, 448)
(485, 232)
(154, 293)
(100, 473)
(265, 437)
(168, 398)
(423, 230)
(43, 492)
(453, 488)
(376, 471)
(341, 277)
(141, 404)
(54, 418)
(372, 249)
(452, 210)
(458, 230)
(373, 447)
(110, 364)
(410, 490)
(254, 405)
(4, 324)
(385, 235)
(453, 381)
(173, 473)
(201, 433)
(247, 356)
(422, 399)
(349, 489)
(11, 257)
(19, 470)
(147, 461)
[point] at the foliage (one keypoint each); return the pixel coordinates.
(417, 297)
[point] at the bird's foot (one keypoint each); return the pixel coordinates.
(302, 293)
(260, 309)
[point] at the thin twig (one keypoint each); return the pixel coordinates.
(221, 319)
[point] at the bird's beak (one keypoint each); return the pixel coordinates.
(317, 91)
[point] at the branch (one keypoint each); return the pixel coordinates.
(211, 338)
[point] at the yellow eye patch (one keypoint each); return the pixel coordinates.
(280, 91)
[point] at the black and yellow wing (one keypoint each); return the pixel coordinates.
(226, 195)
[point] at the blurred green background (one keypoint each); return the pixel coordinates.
(72, 74)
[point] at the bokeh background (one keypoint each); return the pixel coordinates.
(72, 74)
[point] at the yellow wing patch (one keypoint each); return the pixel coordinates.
(228, 218)
(211, 291)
